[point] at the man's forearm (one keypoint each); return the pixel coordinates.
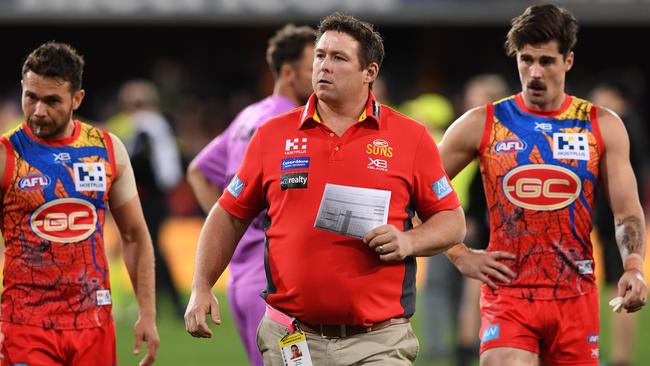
(217, 242)
(440, 232)
(139, 261)
(630, 237)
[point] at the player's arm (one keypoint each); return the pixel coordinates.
(205, 191)
(219, 237)
(620, 185)
(459, 146)
(137, 248)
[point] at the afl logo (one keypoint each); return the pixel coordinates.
(34, 182)
(509, 146)
(541, 187)
(66, 220)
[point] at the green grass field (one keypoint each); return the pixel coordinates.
(178, 348)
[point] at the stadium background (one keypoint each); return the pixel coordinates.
(207, 56)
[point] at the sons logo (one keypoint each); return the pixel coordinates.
(379, 147)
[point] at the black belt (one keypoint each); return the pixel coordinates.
(347, 330)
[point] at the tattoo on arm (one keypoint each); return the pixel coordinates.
(629, 232)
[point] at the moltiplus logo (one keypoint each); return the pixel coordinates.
(89, 177)
(295, 146)
(570, 146)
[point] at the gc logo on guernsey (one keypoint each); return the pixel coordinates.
(65, 220)
(541, 187)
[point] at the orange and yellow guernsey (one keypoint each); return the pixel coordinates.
(54, 199)
(540, 170)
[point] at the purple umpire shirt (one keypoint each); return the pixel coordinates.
(219, 162)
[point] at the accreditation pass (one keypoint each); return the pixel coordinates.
(352, 211)
(294, 349)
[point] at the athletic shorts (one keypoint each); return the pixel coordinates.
(561, 332)
(34, 346)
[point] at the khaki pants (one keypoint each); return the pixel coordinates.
(395, 345)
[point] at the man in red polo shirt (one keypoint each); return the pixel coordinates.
(341, 177)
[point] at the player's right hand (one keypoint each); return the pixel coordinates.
(201, 303)
(146, 331)
(485, 266)
(633, 289)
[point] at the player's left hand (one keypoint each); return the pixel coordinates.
(145, 330)
(633, 289)
(389, 242)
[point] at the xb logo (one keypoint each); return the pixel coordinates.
(543, 126)
(378, 164)
(61, 157)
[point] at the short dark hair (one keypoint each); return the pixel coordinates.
(287, 46)
(371, 46)
(540, 24)
(56, 60)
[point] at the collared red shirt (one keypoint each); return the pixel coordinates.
(319, 276)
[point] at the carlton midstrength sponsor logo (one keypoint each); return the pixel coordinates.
(293, 180)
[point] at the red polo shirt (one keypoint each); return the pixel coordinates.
(319, 276)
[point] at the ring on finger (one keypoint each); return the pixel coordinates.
(381, 249)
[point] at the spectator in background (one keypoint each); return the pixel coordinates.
(615, 95)
(10, 116)
(154, 155)
(441, 290)
(477, 91)
(290, 55)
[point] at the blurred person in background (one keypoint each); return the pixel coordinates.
(343, 294)
(9, 114)
(615, 94)
(542, 153)
(156, 162)
(441, 290)
(290, 55)
(60, 177)
(477, 91)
